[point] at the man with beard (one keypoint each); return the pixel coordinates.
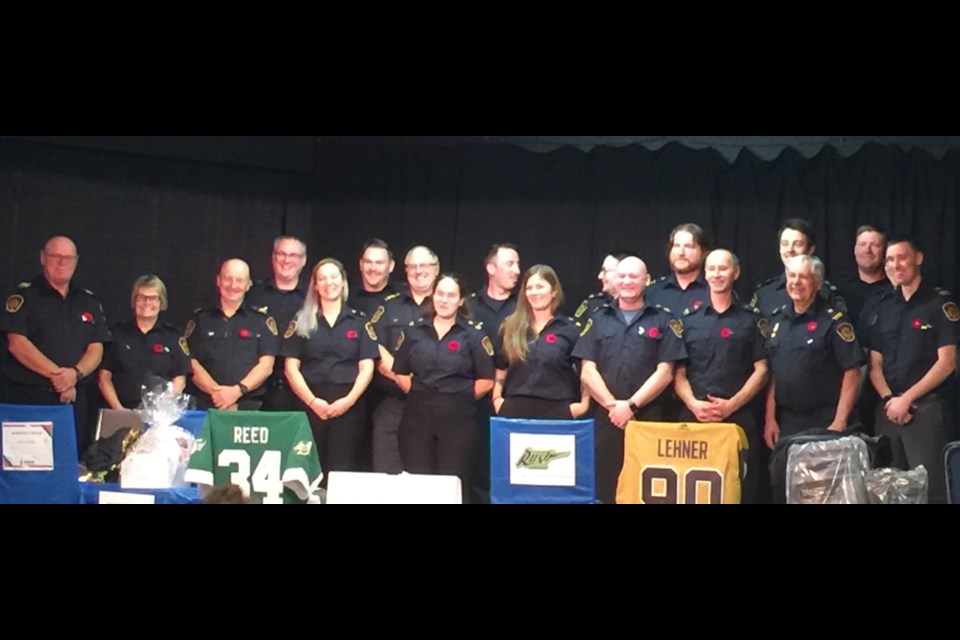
(608, 287)
(376, 265)
(684, 290)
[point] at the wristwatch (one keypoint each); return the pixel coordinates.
(633, 406)
(79, 373)
(243, 389)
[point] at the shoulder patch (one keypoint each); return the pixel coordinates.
(587, 327)
(378, 313)
(581, 309)
(272, 326)
(487, 345)
(370, 330)
(846, 332)
(14, 303)
(24, 285)
(184, 346)
(400, 340)
(764, 326)
(188, 331)
(291, 329)
(952, 312)
(677, 327)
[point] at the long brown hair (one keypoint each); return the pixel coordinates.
(517, 328)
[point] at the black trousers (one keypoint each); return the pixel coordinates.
(746, 419)
(921, 441)
(26, 394)
(440, 434)
(386, 434)
(339, 440)
(608, 449)
(535, 408)
(279, 396)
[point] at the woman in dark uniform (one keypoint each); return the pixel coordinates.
(330, 351)
(536, 375)
(444, 363)
(144, 351)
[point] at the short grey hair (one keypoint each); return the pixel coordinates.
(816, 266)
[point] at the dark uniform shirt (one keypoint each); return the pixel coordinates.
(282, 306)
(909, 333)
(667, 293)
(722, 347)
(549, 371)
(809, 354)
(398, 313)
(61, 328)
(448, 365)
(626, 355)
(591, 304)
(772, 295)
(135, 357)
(856, 292)
(228, 348)
(368, 301)
(489, 314)
(330, 355)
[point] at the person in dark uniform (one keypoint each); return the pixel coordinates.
(797, 237)
(684, 290)
(231, 346)
(608, 287)
(491, 305)
(281, 297)
(912, 335)
(444, 363)
(331, 350)
(55, 335)
(397, 314)
(726, 366)
(627, 350)
(376, 264)
(145, 351)
(537, 376)
(815, 358)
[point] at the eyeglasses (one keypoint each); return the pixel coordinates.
(60, 257)
(284, 256)
(421, 267)
(150, 299)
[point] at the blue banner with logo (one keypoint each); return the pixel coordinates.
(541, 461)
(39, 446)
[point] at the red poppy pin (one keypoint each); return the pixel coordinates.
(87, 316)
(244, 333)
(158, 348)
(551, 338)
(454, 345)
(725, 333)
(697, 304)
(351, 334)
(917, 323)
(811, 327)
(654, 333)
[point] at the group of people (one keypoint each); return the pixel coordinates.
(398, 378)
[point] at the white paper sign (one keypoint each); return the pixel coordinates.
(543, 460)
(27, 446)
(115, 497)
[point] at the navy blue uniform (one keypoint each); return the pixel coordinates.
(856, 292)
(489, 314)
(137, 360)
(908, 334)
(61, 328)
(591, 304)
(282, 306)
(772, 295)
(626, 355)
(668, 293)
(809, 354)
(367, 302)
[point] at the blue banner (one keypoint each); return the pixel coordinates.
(21, 485)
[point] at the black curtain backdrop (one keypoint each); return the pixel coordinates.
(132, 214)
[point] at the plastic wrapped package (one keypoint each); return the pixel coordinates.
(828, 472)
(158, 459)
(895, 486)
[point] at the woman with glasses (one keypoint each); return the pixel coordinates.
(145, 351)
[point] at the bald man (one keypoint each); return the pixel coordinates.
(55, 333)
(231, 346)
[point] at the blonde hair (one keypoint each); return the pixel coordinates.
(149, 282)
(306, 318)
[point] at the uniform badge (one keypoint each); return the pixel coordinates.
(370, 330)
(487, 345)
(581, 309)
(303, 447)
(400, 341)
(587, 327)
(14, 303)
(272, 325)
(377, 314)
(950, 310)
(184, 346)
(189, 330)
(845, 331)
(753, 301)
(677, 327)
(764, 326)
(291, 329)
(263, 310)
(641, 330)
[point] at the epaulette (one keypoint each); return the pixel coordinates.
(473, 295)
(24, 285)
(357, 312)
(663, 308)
(766, 282)
(259, 310)
(199, 310)
(88, 292)
(942, 292)
(392, 296)
(778, 310)
(593, 296)
(263, 309)
(836, 314)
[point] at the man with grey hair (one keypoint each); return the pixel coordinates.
(815, 358)
(232, 346)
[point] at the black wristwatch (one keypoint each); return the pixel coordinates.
(633, 405)
(243, 389)
(79, 373)
(886, 399)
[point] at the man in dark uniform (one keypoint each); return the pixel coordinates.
(627, 351)
(232, 346)
(912, 335)
(684, 290)
(55, 333)
(608, 287)
(726, 367)
(376, 265)
(281, 297)
(815, 358)
(397, 314)
(492, 304)
(797, 237)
